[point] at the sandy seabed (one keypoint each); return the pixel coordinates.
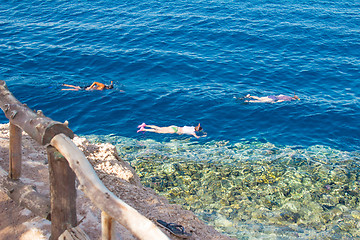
(20, 223)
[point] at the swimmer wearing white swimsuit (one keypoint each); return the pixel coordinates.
(188, 130)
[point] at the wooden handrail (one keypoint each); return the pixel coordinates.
(39, 127)
(46, 131)
(103, 198)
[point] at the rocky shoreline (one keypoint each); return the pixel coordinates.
(117, 175)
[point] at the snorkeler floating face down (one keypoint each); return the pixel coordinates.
(188, 130)
(93, 86)
(268, 99)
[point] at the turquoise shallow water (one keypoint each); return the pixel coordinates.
(253, 189)
(182, 62)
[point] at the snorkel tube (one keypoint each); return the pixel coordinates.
(110, 86)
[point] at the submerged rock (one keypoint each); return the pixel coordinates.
(310, 190)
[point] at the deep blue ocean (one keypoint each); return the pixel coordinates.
(182, 62)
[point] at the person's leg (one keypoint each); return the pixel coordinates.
(254, 97)
(157, 129)
(148, 130)
(70, 89)
(72, 86)
(152, 128)
(142, 125)
(261, 99)
(170, 129)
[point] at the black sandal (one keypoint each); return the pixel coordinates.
(174, 228)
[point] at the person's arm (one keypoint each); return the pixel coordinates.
(91, 86)
(194, 134)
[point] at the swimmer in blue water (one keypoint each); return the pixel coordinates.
(269, 99)
(189, 130)
(93, 86)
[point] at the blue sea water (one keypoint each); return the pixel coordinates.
(182, 62)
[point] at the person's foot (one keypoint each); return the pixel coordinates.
(141, 129)
(142, 125)
(247, 96)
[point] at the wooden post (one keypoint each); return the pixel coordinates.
(141, 227)
(15, 152)
(62, 194)
(106, 226)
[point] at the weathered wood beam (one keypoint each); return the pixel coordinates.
(39, 127)
(15, 152)
(104, 199)
(62, 193)
(25, 195)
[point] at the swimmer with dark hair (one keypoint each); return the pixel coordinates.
(93, 86)
(189, 130)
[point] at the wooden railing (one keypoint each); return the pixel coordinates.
(66, 162)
